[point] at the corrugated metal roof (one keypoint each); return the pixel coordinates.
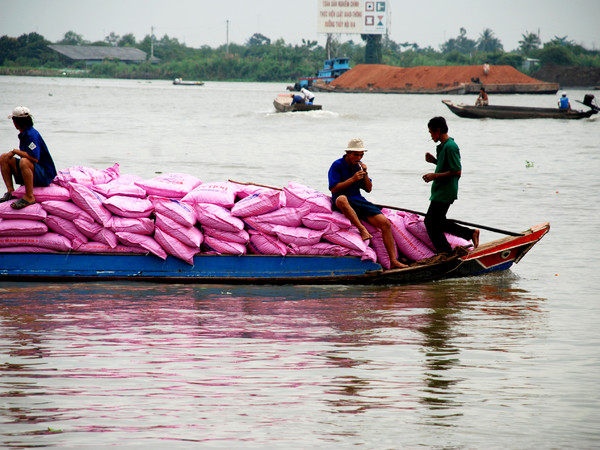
(96, 52)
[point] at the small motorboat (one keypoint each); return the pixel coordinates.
(514, 112)
(283, 103)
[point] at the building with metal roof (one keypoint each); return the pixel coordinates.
(98, 53)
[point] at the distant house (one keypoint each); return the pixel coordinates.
(97, 53)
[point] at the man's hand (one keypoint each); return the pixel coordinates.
(430, 158)
(429, 177)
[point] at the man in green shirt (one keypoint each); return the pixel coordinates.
(444, 189)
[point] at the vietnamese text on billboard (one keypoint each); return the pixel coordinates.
(352, 16)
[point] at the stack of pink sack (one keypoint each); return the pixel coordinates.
(91, 210)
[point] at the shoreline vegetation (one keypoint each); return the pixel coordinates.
(261, 60)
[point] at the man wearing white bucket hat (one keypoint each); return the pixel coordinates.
(347, 176)
(30, 165)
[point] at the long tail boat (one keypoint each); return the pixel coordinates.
(514, 112)
(497, 255)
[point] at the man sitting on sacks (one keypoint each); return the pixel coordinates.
(31, 164)
(347, 176)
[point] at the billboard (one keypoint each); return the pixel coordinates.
(353, 16)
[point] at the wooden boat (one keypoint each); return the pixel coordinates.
(180, 82)
(283, 103)
(497, 255)
(514, 112)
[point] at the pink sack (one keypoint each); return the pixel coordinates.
(378, 246)
(49, 240)
(298, 195)
(222, 194)
(66, 210)
(368, 255)
(256, 204)
(86, 176)
(67, 229)
(182, 213)
(289, 217)
(44, 194)
(322, 221)
(219, 247)
(31, 212)
(320, 248)
(142, 225)
(124, 185)
(142, 241)
(100, 247)
(348, 238)
(172, 185)
(96, 232)
(22, 227)
(265, 244)
(131, 207)
(409, 245)
(175, 247)
(215, 216)
(190, 236)
(241, 237)
(416, 226)
(89, 229)
(90, 202)
(253, 223)
(297, 235)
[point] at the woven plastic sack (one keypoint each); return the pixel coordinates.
(67, 229)
(66, 210)
(86, 176)
(31, 212)
(171, 185)
(131, 207)
(123, 185)
(141, 225)
(90, 202)
(222, 194)
(175, 247)
(241, 237)
(408, 244)
(44, 194)
(53, 241)
(22, 227)
(256, 204)
(219, 247)
(297, 235)
(180, 212)
(265, 244)
(190, 236)
(215, 216)
(142, 241)
(348, 238)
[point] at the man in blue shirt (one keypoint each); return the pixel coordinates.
(347, 176)
(30, 165)
(563, 102)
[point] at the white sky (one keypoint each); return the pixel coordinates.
(203, 22)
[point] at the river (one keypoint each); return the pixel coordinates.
(506, 360)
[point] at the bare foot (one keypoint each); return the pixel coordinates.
(397, 265)
(475, 238)
(364, 234)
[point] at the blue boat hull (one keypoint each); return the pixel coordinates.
(263, 269)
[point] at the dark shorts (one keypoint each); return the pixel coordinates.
(40, 178)
(362, 208)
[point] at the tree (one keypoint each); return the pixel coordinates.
(112, 39)
(72, 38)
(487, 42)
(461, 44)
(127, 41)
(529, 43)
(258, 39)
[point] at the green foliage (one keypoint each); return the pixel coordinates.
(260, 59)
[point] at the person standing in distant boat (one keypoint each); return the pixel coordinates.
(30, 165)
(309, 97)
(482, 100)
(347, 176)
(444, 189)
(563, 102)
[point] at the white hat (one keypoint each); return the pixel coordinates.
(356, 145)
(564, 94)
(20, 111)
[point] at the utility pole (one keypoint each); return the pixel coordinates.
(151, 43)
(227, 37)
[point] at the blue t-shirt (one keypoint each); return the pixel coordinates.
(31, 142)
(340, 171)
(564, 103)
